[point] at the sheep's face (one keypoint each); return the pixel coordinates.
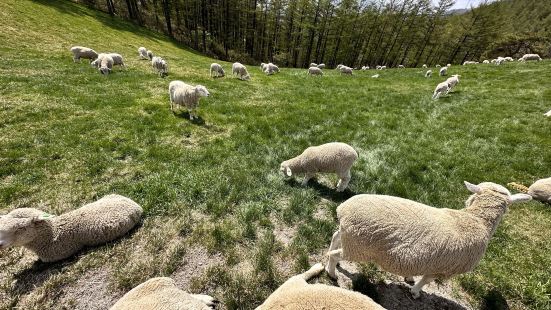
(485, 186)
(105, 70)
(94, 64)
(202, 91)
(16, 231)
(285, 170)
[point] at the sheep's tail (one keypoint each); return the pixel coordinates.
(519, 187)
(312, 272)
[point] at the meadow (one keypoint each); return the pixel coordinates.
(219, 217)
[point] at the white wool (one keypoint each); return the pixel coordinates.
(182, 94)
(314, 71)
(441, 88)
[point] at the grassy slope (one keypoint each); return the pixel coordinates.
(70, 135)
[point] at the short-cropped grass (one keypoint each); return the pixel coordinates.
(69, 135)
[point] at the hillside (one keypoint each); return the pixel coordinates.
(219, 217)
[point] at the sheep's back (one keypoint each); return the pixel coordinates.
(329, 157)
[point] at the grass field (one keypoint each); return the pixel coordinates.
(218, 216)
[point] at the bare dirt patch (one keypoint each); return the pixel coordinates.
(90, 292)
(196, 261)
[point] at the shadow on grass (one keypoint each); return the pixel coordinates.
(198, 120)
(329, 193)
(494, 300)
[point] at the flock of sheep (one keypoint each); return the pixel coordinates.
(404, 237)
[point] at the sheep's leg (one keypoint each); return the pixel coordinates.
(307, 178)
(416, 289)
(190, 114)
(343, 181)
(335, 254)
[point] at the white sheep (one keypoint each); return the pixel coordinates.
(216, 70)
(365, 68)
(117, 60)
(452, 81)
(443, 71)
(296, 293)
(162, 294)
(313, 64)
(270, 69)
(142, 52)
(378, 68)
(241, 71)
(428, 73)
(314, 71)
(150, 55)
(383, 67)
(104, 63)
(408, 238)
(469, 63)
(530, 57)
(448, 65)
(183, 94)
(509, 59)
(437, 66)
(339, 66)
(83, 52)
(160, 65)
(54, 238)
(375, 76)
(321, 66)
(441, 88)
(424, 66)
(486, 61)
(401, 67)
(346, 70)
(334, 157)
(540, 190)
(262, 66)
(500, 60)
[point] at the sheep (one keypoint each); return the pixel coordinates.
(401, 67)
(339, 66)
(443, 71)
(160, 65)
(486, 61)
(375, 76)
(448, 65)
(54, 238)
(548, 114)
(424, 66)
(314, 71)
(365, 68)
(162, 293)
(117, 60)
(383, 67)
(104, 63)
(150, 55)
(321, 66)
(241, 71)
(331, 157)
(441, 88)
(296, 293)
(378, 68)
(509, 59)
(313, 64)
(493, 61)
(540, 190)
(530, 57)
(499, 61)
(83, 52)
(270, 69)
(216, 70)
(469, 63)
(437, 66)
(346, 70)
(142, 52)
(428, 74)
(262, 65)
(408, 238)
(184, 94)
(452, 81)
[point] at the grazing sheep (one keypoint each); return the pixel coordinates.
(216, 70)
(104, 63)
(509, 59)
(296, 293)
(401, 67)
(321, 66)
(241, 71)
(142, 52)
(365, 68)
(339, 67)
(428, 73)
(313, 64)
(150, 55)
(262, 66)
(540, 190)
(437, 66)
(443, 71)
(499, 61)
(346, 70)
(530, 57)
(408, 238)
(441, 88)
(160, 65)
(314, 71)
(162, 294)
(334, 157)
(183, 94)
(486, 61)
(83, 52)
(375, 76)
(117, 60)
(270, 69)
(452, 81)
(54, 238)
(548, 114)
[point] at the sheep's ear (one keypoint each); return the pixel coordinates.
(475, 189)
(520, 198)
(288, 172)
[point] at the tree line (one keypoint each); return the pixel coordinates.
(294, 33)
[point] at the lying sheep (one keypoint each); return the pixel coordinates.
(424, 66)
(452, 81)
(346, 70)
(321, 66)
(441, 88)
(216, 70)
(314, 71)
(241, 71)
(54, 238)
(83, 52)
(162, 294)
(296, 293)
(183, 94)
(530, 57)
(334, 157)
(270, 69)
(150, 55)
(443, 71)
(428, 74)
(408, 238)
(540, 190)
(142, 52)
(160, 65)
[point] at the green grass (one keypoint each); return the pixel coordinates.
(69, 136)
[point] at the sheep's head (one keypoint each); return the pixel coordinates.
(17, 229)
(95, 63)
(485, 186)
(247, 77)
(105, 70)
(285, 169)
(202, 91)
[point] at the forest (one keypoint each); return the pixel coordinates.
(294, 33)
